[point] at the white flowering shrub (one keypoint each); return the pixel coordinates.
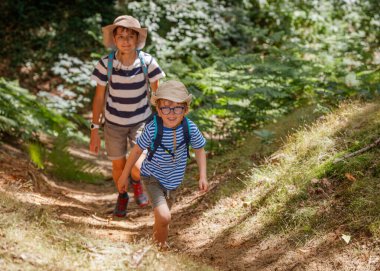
(178, 28)
(72, 94)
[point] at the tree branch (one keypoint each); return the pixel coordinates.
(374, 144)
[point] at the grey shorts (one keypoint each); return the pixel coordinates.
(157, 193)
(117, 139)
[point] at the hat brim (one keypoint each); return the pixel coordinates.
(108, 39)
(155, 98)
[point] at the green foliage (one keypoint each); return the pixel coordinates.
(49, 28)
(37, 154)
(64, 166)
(23, 115)
(71, 96)
(179, 29)
(246, 62)
(266, 136)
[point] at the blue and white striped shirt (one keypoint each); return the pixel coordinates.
(168, 171)
(127, 102)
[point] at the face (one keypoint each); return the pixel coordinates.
(172, 113)
(125, 39)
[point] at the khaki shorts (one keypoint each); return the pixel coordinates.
(117, 137)
(157, 193)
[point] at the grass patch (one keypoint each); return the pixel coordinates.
(324, 194)
(299, 191)
(66, 167)
(235, 165)
(63, 165)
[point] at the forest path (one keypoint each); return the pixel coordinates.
(89, 207)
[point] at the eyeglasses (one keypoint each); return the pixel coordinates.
(177, 110)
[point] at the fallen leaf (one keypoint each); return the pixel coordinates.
(326, 182)
(138, 256)
(350, 177)
(346, 238)
(314, 181)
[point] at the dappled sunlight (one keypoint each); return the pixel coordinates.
(288, 199)
(283, 212)
(48, 201)
(286, 94)
(130, 226)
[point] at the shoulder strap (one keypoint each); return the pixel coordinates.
(110, 65)
(143, 64)
(109, 75)
(186, 134)
(145, 71)
(157, 138)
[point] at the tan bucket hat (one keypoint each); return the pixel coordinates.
(173, 91)
(128, 22)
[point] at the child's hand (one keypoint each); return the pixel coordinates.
(122, 182)
(203, 184)
(95, 141)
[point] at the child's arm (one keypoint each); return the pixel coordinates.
(200, 156)
(154, 86)
(97, 110)
(122, 183)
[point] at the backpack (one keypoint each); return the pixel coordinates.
(159, 132)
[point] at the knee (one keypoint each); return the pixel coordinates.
(163, 220)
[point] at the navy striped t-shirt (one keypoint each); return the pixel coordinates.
(168, 171)
(127, 102)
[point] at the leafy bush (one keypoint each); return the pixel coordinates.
(64, 166)
(246, 62)
(23, 116)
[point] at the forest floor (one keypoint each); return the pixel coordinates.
(89, 207)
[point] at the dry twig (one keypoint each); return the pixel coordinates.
(374, 144)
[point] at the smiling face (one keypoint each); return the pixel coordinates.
(172, 113)
(125, 39)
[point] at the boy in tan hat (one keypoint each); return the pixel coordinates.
(126, 102)
(163, 171)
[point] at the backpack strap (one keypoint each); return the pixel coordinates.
(159, 132)
(143, 64)
(111, 56)
(110, 65)
(157, 138)
(145, 71)
(186, 134)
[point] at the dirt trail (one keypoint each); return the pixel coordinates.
(81, 204)
(90, 207)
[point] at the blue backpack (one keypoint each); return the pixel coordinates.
(159, 132)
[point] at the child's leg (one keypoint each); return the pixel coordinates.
(139, 195)
(117, 168)
(135, 174)
(161, 208)
(140, 198)
(162, 218)
(122, 199)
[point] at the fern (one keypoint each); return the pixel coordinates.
(22, 115)
(64, 166)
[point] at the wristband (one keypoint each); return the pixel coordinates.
(94, 126)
